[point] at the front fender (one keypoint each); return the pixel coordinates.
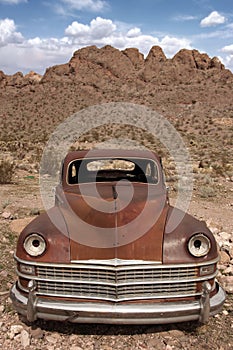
(52, 227)
(175, 244)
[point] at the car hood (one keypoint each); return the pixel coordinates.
(114, 220)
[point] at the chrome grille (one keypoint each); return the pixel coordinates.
(116, 274)
(116, 283)
(117, 293)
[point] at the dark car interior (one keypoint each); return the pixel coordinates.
(105, 170)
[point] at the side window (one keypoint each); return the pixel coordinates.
(148, 170)
(72, 174)
(152, 172)
(73, 171)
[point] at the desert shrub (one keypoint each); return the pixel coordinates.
(207, 191)
(7, 170)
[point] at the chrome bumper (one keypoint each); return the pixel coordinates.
(35, 307)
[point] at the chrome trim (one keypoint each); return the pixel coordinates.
(108, 313)
(26, 290)
(111, 262)
(116, 262)
(31, 302)
(205, 302)
(165, 281)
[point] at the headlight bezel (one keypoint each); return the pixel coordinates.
(199, 245)
(35, 244)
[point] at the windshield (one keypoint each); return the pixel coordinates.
(112, 169)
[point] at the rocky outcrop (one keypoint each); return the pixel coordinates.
(2, 76)
(135, 57)
(185, 58)
(155, 56)
(100, 66)
(33, 77)
(107, 62)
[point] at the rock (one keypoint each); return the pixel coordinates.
(2, 76)
(231, 252)
(216, 63)
(135, 57)
(155, 343)
(37, 333)
(155, 55)
(168, 347)
(225, 236)
(4, 273)
(53, 339)
(227, 283)
(25, 338)
(228, 270)
(6, 215)
(224, 257)
(202, 60)
(214, 230)
(16, 79)
(91, 63)
(74, 338)
(14, 330)
(202, 329)
(2, 308)
(33, 77)
(176, 333)
(184, 57)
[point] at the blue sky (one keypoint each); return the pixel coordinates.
(36, 34)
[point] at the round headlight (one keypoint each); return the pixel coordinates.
(34, 244)
(199, 245)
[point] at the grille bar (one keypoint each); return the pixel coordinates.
(116, 275)
(116, 283)
(112, 293)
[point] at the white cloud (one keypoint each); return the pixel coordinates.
(171, 44)
(12, 2)
(39, 53)
(213, 19)
(77, 29)
(180, 18)
(99, 28)
(8, 33)
(228, 59)
(228, 49)
(134, 32)
(104, 32)
(90, 5)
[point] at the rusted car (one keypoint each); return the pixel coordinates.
(113, 250)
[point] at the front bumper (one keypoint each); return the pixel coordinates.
(35, 307)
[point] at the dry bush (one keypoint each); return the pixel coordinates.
(7, 170)
(206, 191)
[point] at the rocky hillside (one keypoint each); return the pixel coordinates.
(192, 90)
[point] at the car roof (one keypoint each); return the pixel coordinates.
(111, 153)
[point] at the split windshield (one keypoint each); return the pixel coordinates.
(113, 169)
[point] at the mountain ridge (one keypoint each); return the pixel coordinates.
(110, 58)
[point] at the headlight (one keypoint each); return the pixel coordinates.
(199, 245)
(34, 244)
